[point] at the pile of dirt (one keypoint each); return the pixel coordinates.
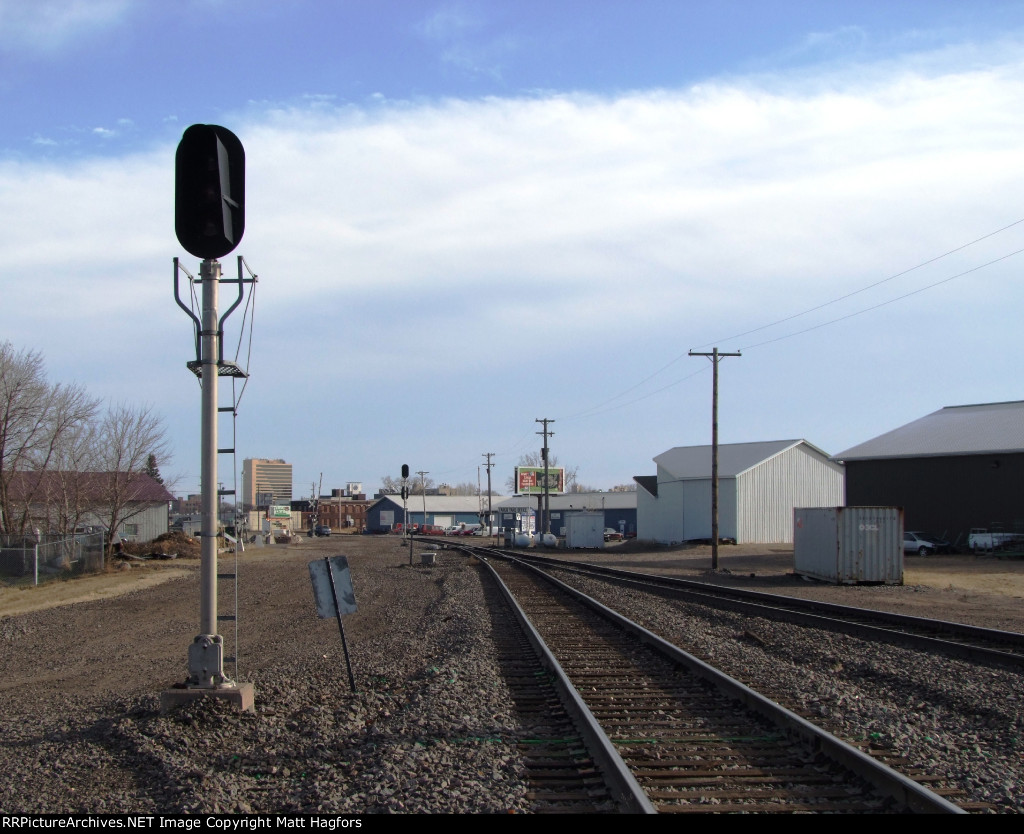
(178, 544)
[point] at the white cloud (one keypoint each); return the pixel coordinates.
(46, 25)
(594, 237)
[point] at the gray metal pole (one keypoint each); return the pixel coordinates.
(206, 655)
(210, 277)
(714, 461)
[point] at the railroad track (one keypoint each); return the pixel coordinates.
(673, 735)
(979, 645)
(561, 775)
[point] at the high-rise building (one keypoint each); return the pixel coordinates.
(266, 482)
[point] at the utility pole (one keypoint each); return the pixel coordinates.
(423, 485)
(489, 455)
(544, 456)
(714, 356)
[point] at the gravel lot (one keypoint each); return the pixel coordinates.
(430, 728)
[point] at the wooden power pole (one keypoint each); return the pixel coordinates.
(714, 356)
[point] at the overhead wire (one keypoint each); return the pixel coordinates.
(599, 408)
(884, 303)
(872, 286)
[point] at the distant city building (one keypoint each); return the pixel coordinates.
(187, 506)
(266, 482)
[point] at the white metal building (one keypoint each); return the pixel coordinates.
(759, 484)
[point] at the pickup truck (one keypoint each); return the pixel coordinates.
(982, 539)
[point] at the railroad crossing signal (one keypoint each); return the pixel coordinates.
(209, 191)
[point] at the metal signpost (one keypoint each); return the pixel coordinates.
(334, 595)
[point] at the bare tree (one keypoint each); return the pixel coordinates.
(37, 420)
(465, 488)
(126, 438)
(69, 496)
(393, 486)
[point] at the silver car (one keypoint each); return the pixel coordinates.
(923, 544)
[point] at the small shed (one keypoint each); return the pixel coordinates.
(584, 530)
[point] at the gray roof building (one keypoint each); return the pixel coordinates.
(953, 430)
(387, 511)
(759, 485)
(956, 468)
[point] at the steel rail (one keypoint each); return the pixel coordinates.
(896, 785)
(903, 629)
(620, 779)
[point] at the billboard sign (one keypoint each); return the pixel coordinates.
(530, 480)
(278, 511)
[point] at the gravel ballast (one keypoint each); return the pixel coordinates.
(431, 728)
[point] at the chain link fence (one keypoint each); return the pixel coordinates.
(26, 560)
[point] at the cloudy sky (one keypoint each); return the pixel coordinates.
(467, 216)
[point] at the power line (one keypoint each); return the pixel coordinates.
(878, 284)
(884, 303)
(599, 408)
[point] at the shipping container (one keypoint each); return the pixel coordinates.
(584, 530)
(849, 545)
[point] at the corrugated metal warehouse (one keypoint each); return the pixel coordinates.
(439, 510)
(759, 484)
(956, 468)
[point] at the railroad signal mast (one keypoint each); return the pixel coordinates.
(405, 507)
(209, 220)
(314, 505)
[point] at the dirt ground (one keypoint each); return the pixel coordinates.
(981, 590)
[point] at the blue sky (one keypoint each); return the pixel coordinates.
(468, 216)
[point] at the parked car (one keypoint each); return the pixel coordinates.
(611, 535)
(321, 530)
(923, 544)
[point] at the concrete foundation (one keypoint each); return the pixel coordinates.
(241, 695)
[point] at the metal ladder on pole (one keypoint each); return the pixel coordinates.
(227, 580)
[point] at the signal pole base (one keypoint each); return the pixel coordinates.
(240, 695)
